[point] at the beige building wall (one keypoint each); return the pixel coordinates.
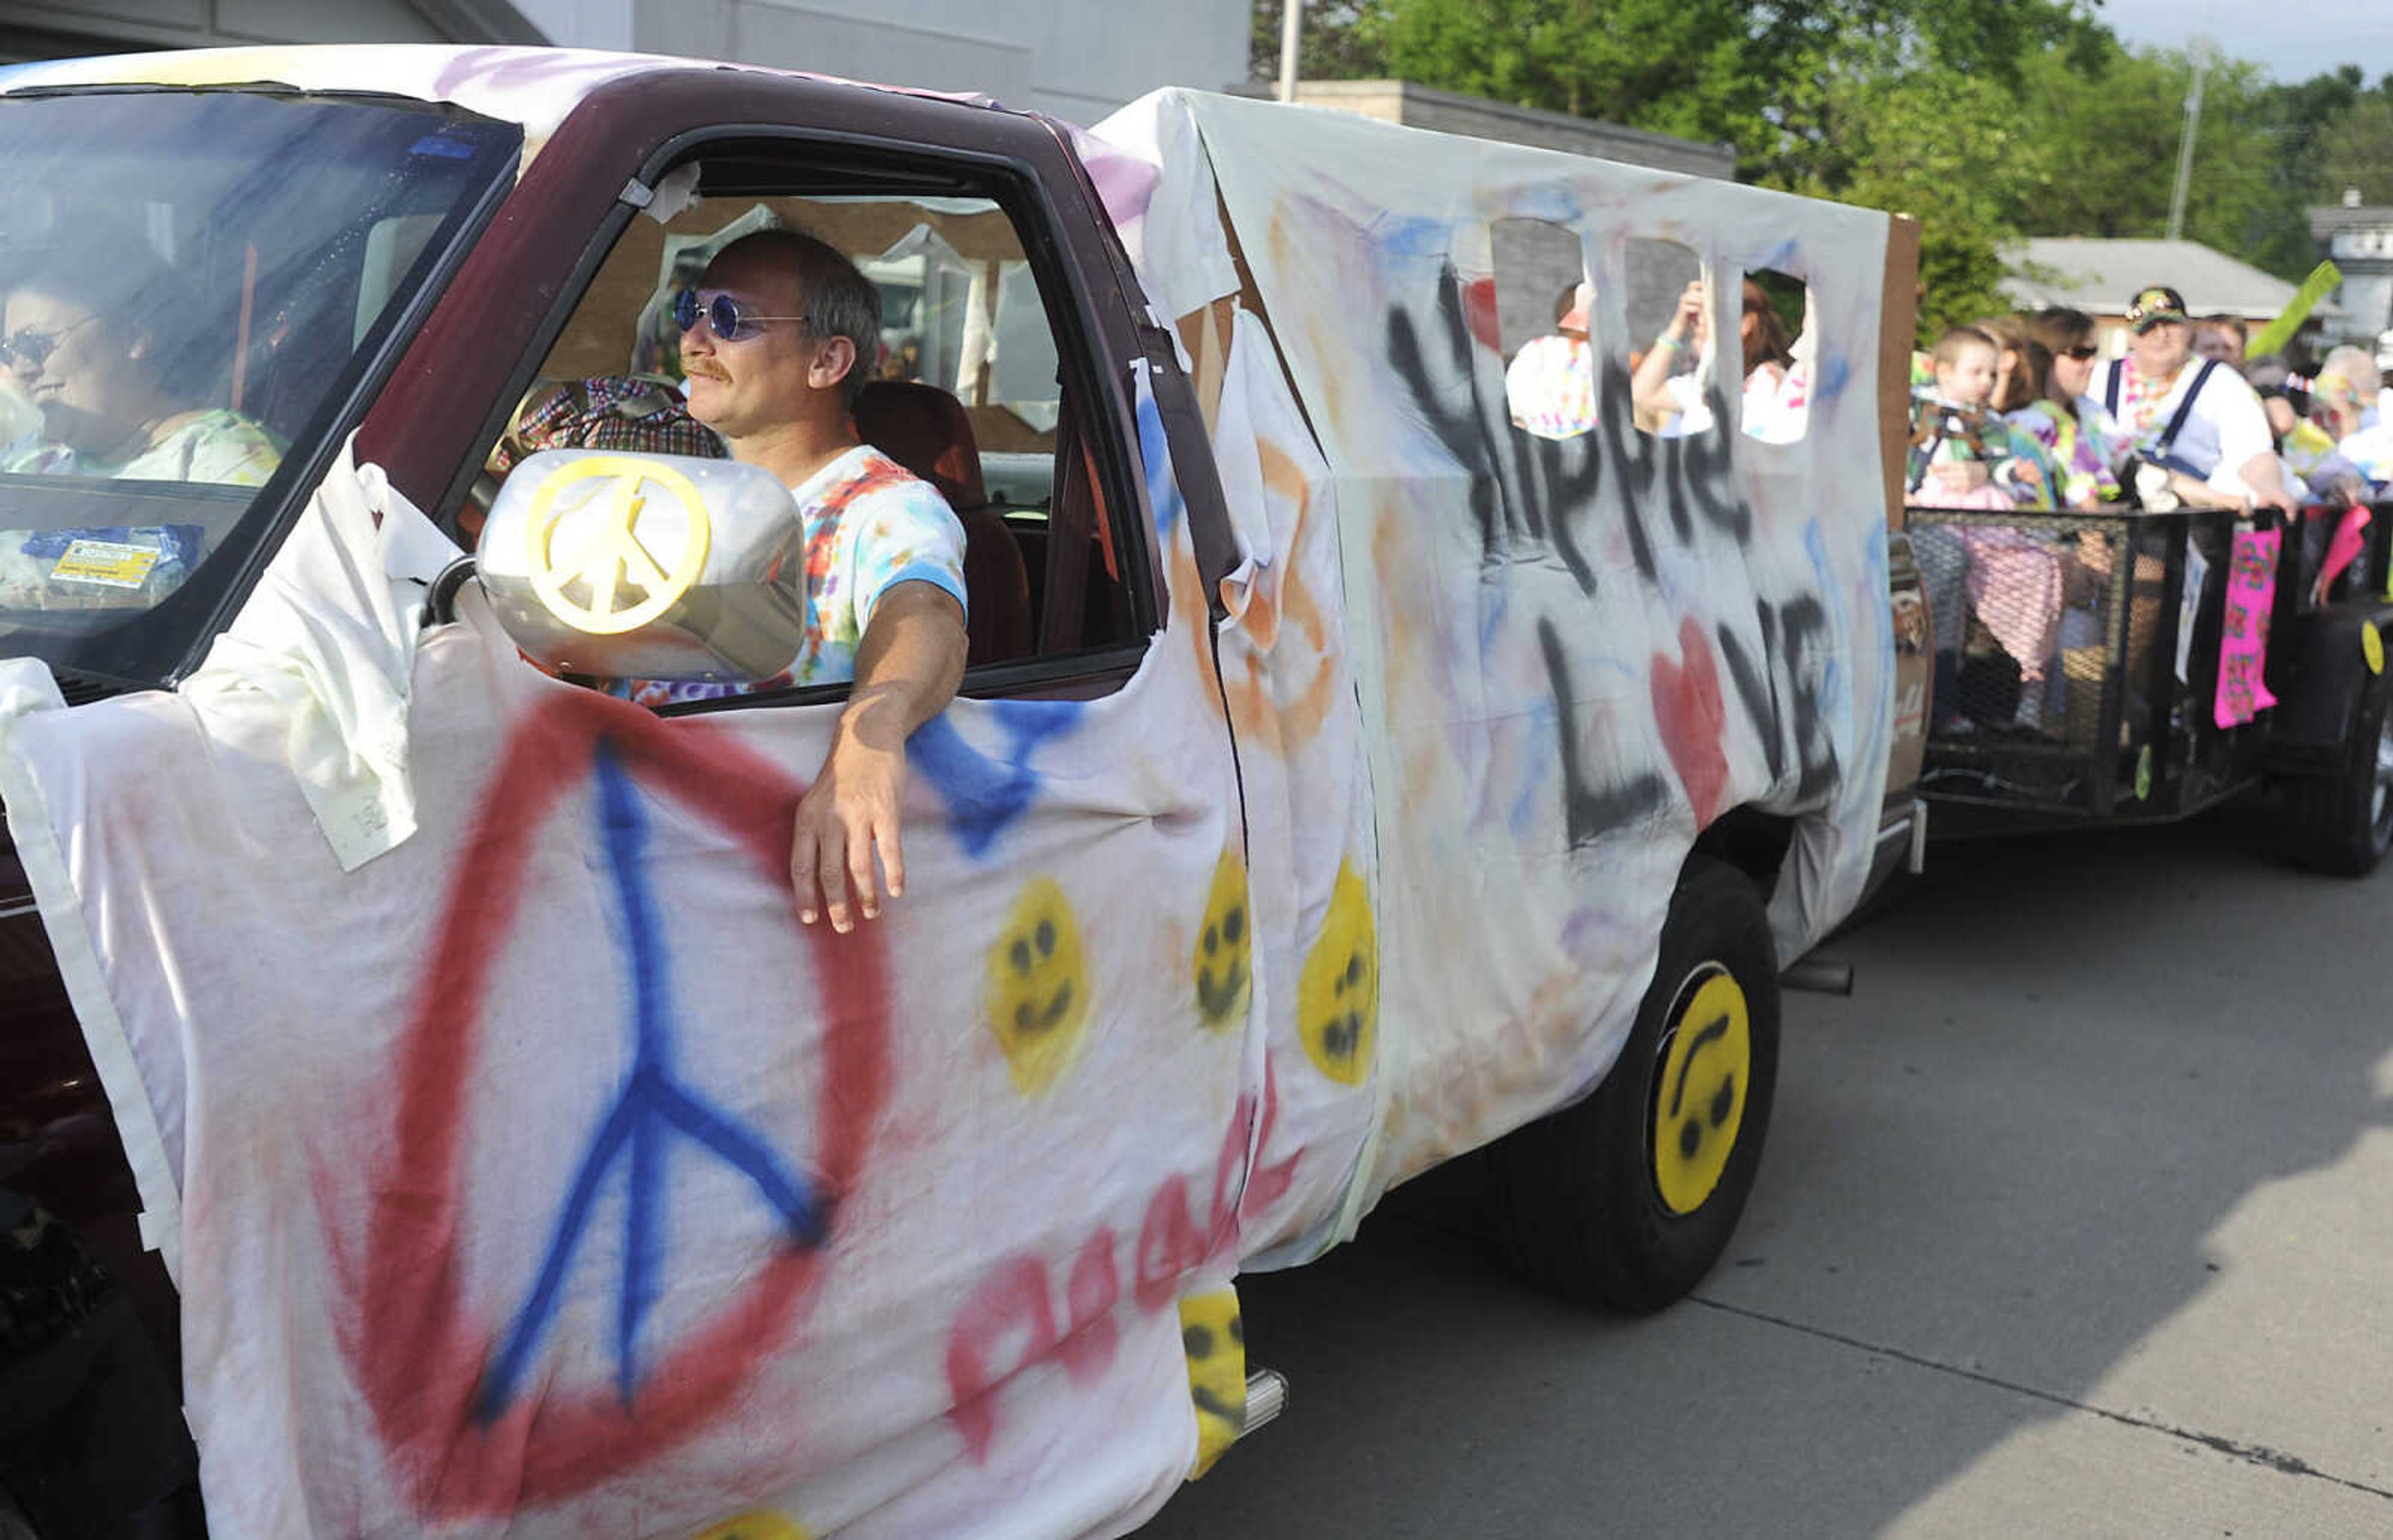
(1075, 59)
(58, 28)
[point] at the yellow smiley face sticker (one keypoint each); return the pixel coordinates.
(2372, 646)
(1225, 960)
(1038, 994)
(762, 1524)
(1215, 1342)
(1338, 994)
(1706, 1062)
(580, 577)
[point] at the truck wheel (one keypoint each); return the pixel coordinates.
(2342, 824)
(1627, 1200)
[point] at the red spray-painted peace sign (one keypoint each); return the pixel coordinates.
(416, 1346)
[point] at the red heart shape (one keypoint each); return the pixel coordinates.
(1688, 708)
(1479, 308)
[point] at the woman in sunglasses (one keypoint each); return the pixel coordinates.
(2044, 404)
(112, 364)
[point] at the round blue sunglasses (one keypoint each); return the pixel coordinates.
(729, 320)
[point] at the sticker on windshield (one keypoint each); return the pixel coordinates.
(106, 563)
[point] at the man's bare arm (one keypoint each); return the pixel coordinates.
(907, 670)
(2260, 474)
(1653, 403)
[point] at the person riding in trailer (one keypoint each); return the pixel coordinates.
(2200, 419)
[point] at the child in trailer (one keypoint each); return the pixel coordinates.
(1960, 456)
(1963, 457)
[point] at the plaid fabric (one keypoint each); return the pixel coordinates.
(609, 412)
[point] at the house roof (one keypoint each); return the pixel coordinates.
(2327, 219)
(2100, 275)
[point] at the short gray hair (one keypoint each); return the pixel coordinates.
(834, 298)
(2356, 364)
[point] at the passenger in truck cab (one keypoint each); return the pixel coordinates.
(778, 337)
(106, 371)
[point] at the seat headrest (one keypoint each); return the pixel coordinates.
(926, 430)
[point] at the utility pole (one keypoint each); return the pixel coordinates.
(2185, 144)
(1292, 23)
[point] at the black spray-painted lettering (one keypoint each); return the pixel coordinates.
(1782, 696)
(1532, 497)
(1589, 811)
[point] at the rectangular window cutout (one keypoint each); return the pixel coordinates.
(1545, 316)
(1780, 344)
(1671, 365)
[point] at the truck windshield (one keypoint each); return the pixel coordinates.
(192, 285)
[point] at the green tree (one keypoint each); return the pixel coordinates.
(1988, 118)
(1676, 66)
(1340, 40)
(2355, 150)
(2119, 126)
(1893, 143)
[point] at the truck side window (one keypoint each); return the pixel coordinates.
(970, 391)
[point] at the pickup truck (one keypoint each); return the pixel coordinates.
(420, 1110)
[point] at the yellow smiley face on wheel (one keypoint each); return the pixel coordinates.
(581, 577)
(1699, 1089)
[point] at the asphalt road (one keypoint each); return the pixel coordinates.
(2075, 1219)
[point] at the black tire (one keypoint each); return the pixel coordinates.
(2342, 824)
(1579, 1195)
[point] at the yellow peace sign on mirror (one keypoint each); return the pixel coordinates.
(607, 555)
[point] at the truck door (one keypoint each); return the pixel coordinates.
(617, 1200)
(1052, 1151)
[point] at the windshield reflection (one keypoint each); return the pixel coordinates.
(190, 282)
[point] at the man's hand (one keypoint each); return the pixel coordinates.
(907, 670)
(2267, 486)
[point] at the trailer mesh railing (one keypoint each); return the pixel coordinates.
(2057, 650)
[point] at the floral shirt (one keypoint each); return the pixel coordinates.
(869, 525)
(215, 447)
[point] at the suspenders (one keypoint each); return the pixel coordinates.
(2177, 420)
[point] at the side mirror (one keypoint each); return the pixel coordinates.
(646, 566)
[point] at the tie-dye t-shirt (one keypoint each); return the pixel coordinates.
(1551, 386)
(871, 524)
